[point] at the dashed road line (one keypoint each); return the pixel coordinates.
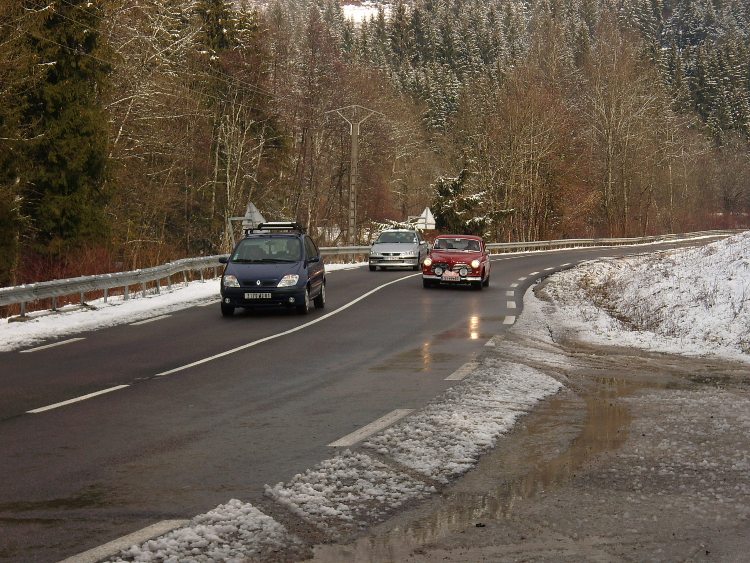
(510, 293)
(509, 320)
(514, 284)
(50, 345)
(462, 372)
(152, 319)
(548, 269)
(511, 305)
(77, 399)
(370, 429)
(533, 274)
(112, 548)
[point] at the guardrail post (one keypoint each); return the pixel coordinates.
(202, 275)
(158, 286)
(82, 298)
(106, 294)
(54, 303)
(143, 288)
(23, 308)
(169, 283)
(184, 276)
(126, 295)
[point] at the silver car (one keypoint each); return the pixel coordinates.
(398, 248)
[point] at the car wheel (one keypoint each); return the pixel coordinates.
(427, 283)
(227, 310)
(415, 267)
(372, 268)
(305, 307)
(486, 282)
(477, 285)
(320, 300)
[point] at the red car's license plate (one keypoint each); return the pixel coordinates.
(451, 276)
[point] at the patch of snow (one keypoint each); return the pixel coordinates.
(446, 438)
(346, 492)
(235, 531)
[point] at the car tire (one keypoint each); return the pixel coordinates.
(415, 268)
(477, 285)
(305, 307)
(372, 268)
(486, 282)
(427, 284)
(320, 300)
(227, 310)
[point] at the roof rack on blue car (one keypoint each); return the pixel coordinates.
(276, 226)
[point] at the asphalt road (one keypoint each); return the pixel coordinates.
(174, 445)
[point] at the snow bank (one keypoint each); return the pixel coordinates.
(347, 492)
(234, 531)
(445, 439)
(689, 301)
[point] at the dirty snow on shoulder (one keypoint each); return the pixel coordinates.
(693, 301)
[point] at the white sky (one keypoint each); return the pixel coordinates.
(697, 301)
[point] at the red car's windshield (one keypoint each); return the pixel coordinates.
(458, 244)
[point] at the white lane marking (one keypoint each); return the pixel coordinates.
(548, 269)
(50, 345)
(370, 429)
(565, 265)
(509, 320)
(290, 331)
(514, 284)
(511, 305)
(522, 278)
(160, 317)
(510, 293)
(77, 399)
(533, 274)
(112, 548)
(462, 372)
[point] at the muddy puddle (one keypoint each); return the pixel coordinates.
(545, 451)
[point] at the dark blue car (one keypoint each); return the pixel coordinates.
(275, 265)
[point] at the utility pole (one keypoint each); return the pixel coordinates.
(358, 116)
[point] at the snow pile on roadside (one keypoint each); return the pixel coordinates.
(74, 319)
(689, 301)
(445, 439)
(233, 531)
(348, 491)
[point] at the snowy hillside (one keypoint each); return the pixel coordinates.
(692, 301)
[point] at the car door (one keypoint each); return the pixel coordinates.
(315, 267)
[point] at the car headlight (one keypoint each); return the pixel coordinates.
(463, 272)
(438, 271)
(427, 262)
(231, 281)
(475, 264)
(288, 280)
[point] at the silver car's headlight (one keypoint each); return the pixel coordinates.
(288, 280)
(231, 281)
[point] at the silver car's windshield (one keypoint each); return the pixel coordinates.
(387, 238)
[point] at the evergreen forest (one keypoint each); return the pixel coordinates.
(132, 130)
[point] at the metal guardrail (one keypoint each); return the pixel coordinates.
(29, 293)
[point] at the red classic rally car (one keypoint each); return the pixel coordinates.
(457, 259)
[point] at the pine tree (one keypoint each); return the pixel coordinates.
(64, 182)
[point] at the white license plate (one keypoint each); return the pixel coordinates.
(451, 276)
(257, 296)
(392, 258)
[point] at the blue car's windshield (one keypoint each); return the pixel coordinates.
(269, 250)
